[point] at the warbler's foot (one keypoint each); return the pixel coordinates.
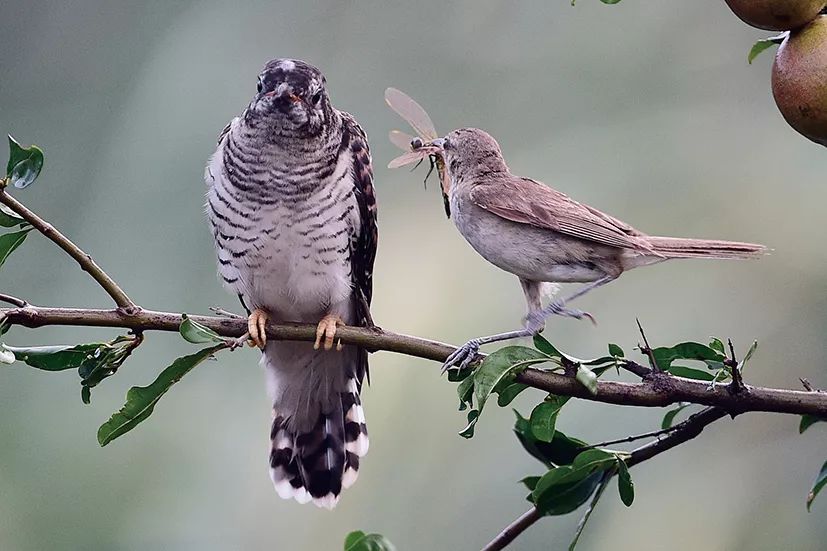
(256, 327)
(326, 330)
(535, 322)
(462, 356)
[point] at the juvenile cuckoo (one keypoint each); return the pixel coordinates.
(293, 215)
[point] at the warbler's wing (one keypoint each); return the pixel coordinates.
(412, 112)
(530, 202)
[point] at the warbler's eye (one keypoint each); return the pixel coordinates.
(316, 98)
(259, 86)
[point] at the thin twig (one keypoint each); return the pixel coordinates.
(513, 530)
(651, 392)
(689, 429)
(84, 260)
(806, 384)
(585, 518)
(19, 302)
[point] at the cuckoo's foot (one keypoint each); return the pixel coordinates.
(256, 326)
(462, 356)
(326, 330)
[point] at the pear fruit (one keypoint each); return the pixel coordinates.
(799, 80)
(776, 15)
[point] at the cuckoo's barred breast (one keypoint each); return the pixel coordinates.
(294, 222)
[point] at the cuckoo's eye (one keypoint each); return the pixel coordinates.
(316, 98)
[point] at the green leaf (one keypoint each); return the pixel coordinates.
(9, 242)
(9, 219)
(501, 366)
(808, 420)
(819, 483)
(507, 394)
(753, 347)
(530, 482)
(85, 394)
(763, 44)
(58, 357)
(568, 498)
(544, 417)
(25, 164)
(690, 373)
(473, 417)
(140, 401)
(587, 378)
(194, 332)
(615, 350)
(664, 356)
(560, 451)
(717, 345)
(560, 479)
(359, 541)
(669, 418)
(625, 486)
(465, 391)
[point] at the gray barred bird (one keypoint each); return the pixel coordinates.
(293, 213)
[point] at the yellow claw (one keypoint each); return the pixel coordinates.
(327, 330)
(257, 327)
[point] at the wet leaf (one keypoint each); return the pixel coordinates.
(196, 333)
(9, 242)
(819, 483)
(6, 356)
(473, 417)
(717, 345)
(141, 401)
(465, 391)
(25, 164)
(563, 489)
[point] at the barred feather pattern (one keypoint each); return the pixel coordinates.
(293, 219)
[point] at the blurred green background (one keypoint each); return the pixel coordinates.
(647, 110)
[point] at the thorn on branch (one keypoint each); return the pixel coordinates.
(737, 384)
(646, 349)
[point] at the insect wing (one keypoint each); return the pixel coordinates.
(412, 112)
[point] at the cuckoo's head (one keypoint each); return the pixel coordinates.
(291, 98)
(469, 151)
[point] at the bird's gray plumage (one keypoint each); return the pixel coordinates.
(291, 207)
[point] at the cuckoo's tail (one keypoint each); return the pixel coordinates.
(316, 464)
(676, 247)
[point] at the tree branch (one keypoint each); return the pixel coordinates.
(656, 390)
(684, 432)
(85, 261)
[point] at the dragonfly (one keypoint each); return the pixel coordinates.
(416, 148)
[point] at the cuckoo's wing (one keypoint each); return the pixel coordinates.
(364, 253)
(530, 202)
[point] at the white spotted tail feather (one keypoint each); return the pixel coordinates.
(317, 465)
